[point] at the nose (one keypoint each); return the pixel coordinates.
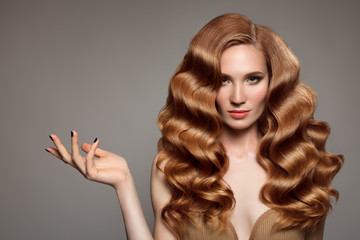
(238, 95)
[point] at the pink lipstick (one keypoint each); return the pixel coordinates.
(239, 113)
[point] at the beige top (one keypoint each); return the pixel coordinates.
(262, 230)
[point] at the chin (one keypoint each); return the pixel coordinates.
(239, 127)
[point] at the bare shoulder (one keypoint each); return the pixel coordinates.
(160, 195)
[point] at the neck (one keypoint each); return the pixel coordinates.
(240, 143)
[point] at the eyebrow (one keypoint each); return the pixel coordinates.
(247, 75)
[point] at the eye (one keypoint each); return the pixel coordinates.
(225, 80)
(253, 79)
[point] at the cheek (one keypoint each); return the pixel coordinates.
(220, 100)
(260, 95)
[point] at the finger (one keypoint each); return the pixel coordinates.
(76, 156)
(90, 170)
(66, 156)
(98, 152)
(54, 152)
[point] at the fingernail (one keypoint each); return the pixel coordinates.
(51, 138)
(95, 140)
(47, 150)
(72, 133)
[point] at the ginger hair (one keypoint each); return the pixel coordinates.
(292, 149)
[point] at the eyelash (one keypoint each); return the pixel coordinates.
(225, 79)
(251, 79)
(254, 79)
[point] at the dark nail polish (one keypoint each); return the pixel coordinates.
(72, 133)
(47, 150)
(95, 140)
(51, 138)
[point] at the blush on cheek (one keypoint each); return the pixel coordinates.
(220, 100)
(260, 95)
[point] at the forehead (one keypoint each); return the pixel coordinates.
(242, 58)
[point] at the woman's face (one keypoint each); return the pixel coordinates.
(241, 98)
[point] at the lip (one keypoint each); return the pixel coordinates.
(239, 113)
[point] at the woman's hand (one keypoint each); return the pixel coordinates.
(107, 168)
(110, 169)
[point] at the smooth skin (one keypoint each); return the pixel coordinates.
(245, 85)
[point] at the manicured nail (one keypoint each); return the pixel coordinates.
(47, 150)
(51, 138)
(95, 140)
(72, 133)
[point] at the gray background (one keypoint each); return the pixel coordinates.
(102, 68)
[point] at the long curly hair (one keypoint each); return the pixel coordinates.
(292, 149)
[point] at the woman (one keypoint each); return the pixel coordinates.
(240, 156)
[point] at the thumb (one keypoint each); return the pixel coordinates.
(99, 152)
